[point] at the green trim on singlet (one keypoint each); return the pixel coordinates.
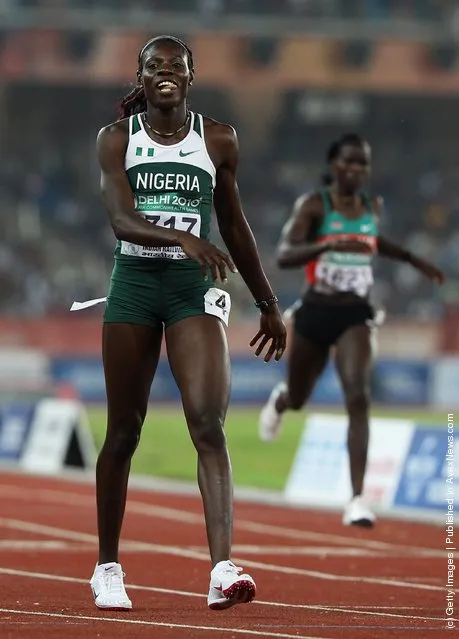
(197, 126)
(135, 123)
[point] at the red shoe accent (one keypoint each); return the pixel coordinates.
(243, 590)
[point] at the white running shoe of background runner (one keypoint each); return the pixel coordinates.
(108, 587)
(228, 588)
(270, 421)
(357, 513)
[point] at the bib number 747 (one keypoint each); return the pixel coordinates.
(188, 222)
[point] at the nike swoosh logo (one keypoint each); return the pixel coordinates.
(183, 154)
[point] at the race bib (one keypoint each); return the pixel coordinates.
(188, 222)
(343, 278)
(218, 303)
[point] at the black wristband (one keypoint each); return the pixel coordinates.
(270, 301)
(407, 257)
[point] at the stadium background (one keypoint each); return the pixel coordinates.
(290, 75)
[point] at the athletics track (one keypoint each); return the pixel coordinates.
(316, 578)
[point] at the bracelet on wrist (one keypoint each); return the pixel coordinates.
(270, 301)
(407, 257)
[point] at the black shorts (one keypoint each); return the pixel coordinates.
(325, 323)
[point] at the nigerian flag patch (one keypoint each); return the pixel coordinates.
(142, 152)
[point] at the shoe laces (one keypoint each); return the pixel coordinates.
(232, 568)
(113, 581)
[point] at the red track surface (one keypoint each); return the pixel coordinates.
(315, 578)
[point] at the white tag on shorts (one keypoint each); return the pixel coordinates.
(378, 320)
(79, 306)
(218, 303)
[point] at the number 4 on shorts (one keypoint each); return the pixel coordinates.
(218, 303)
(221, 302)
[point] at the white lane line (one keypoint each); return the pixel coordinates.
(168, 591)
(332, 577)
(174, 514)
(17, 545)
(292, 533)
(294, 551)
(181, 552)
(157, 624)
(308, 551)
(53, 531)
(29, 544)
(56, 546)
(12, 545)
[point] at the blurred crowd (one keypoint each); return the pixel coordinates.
(375, 9)
(57, 246)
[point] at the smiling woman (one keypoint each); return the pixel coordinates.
(154, 83)
(162, 169)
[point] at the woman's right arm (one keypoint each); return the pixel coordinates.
(117, 193)
(297, 246)
(294, 249)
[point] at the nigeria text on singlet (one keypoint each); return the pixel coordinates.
(338, 272)
(172, 187)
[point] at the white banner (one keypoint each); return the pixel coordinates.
(59, 435)
(445, 384)
(320, 472)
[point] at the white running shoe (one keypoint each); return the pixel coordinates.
(108, 587)
(228, 587)
(270, 421)
(357, 513)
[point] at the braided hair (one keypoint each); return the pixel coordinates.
(135, 101)
(348, 139)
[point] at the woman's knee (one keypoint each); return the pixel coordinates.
(298, 396)
(123, 436)
(207, 429)
(357, 398)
